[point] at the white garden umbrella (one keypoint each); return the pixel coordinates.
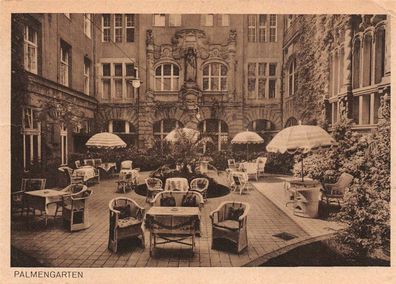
(247, 137)
(190, 134)
(300, 138)
(105, 140)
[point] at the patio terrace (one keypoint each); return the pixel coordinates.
(54, 246)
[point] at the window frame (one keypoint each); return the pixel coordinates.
(118, 28)
(106, 37)
(273, 28)
(175, 20)
(88, 25)
(29, 45)
(208, 20)
(252, 28)
(87, 73)
(262, 37)
(112, 77)
(162, 134)
(210, 76)
(130, 25)
(159, 20)
(225, 20)
(29, 131)
(64, 64)
(175, 80)
(219, 133)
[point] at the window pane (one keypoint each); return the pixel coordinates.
(118, 69)
(209, 20)
(118, 20)
(159, 20)
(261, 88)
(158, 84)
(157, 126)
(223, 70)
(206, 84)
(158, 71)
(106, 88)
(130, 69)
(130, 34)
(214, 84)
(130, 20)
(175, 70)
(169, 125)
(106, 69)
(272, 20)
(272, 69)
(167, 84)
(252, 69)
(118, 35)
(224, 127)
(223, 84)
(206, 70)
(261, 69)
(262, 20)
(167, 69)
(118, 88)
(118, 126)
(272, 88)
(106, 20)
(251, 84)
(212, 125)
(215, 69)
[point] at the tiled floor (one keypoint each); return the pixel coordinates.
(55, 246)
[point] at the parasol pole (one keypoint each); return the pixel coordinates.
(302, 167)
(247, 152)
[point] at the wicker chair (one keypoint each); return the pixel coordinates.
(125, 182)
(154, 186)
(261, 161)
(251, 169)
(231, 164)
(229, 221)
(75, 209)
(200, 185)
(239, 182)
(126, 220)
(27, 184)
(337, 190)
(72, 179)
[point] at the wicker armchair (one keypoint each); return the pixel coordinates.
(126, 220)
(78, 164)
(261, 161)
(27, 184)
(229, 221)
(72, 179)
(75, 209)
(200, 185)
(337, 190)
(239, 181)
(154, 186)
(125, 182)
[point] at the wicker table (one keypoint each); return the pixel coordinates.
(39, 199)
(172, 225)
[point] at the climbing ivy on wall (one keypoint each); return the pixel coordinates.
(312, 55)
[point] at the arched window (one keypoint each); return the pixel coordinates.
(124, 129)
(216, 129)
(290, 122)
(214, 77)
(167, 77)
(292, 74)
(379, 54)
(261, 127)
(163, 127)
(356, 65)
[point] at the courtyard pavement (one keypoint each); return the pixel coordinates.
(55, 246)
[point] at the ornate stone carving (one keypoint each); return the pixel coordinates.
(190, 38)
(190, 65)
(232, 36)
(149, 38)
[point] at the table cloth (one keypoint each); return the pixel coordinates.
(87, 172)
(177, 184)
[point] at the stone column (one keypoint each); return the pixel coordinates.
(231, 62)
(347, 80)
(150, 59)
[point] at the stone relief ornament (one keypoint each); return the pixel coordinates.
(149, 37)
(190, 65)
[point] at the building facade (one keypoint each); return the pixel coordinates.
(142, 75)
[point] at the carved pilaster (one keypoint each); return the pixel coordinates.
(348, 57)
(150, 58)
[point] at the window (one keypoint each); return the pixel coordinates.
(273, 28)
(167, 77)
(215, 77)
(174, 20)
(130, 27)
(163, 127)
(379, 55)
(261, 75)
(208, 20)
(367, 59)
(262, 28)
(225, 20)
(118, 27)
(215, 129)
(252, 28)
(31, 132)
(116, 80)
(87, 68)
(272, 80)
(261, 127)
(159, 20)
(30, 49)
(292, 78)
(87, 25)
(63, 138)
(124, 129)
(290, 122)
(65, 64)
(106, 27)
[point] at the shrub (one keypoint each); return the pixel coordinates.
(279, 163)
